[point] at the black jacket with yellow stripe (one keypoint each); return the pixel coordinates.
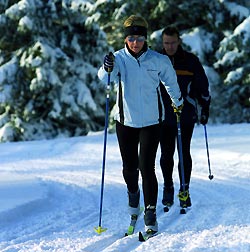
(193, 84)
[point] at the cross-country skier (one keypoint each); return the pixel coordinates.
(138, 71)
(194, 86)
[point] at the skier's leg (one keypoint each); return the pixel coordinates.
(167, 143)
(128, 142)
(186, 136)
(149, 141)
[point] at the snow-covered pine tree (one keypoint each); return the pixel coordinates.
(221, 28)
(234, 67)
(112, 14)
(49, 53)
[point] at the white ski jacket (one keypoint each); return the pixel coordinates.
(139, 101)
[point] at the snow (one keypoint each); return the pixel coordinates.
(199, 41)
(244, 30)
(234, 75)
(26, 22)
(50, 196)
(237, 10)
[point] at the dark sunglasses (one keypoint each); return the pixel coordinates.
(138, 39)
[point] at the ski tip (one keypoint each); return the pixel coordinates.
(99, 230)
(147, 235)
(128, 234)
(130, 231)
(141, 237)
(182, 211)
(166, 209)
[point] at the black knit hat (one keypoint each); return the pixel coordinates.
(135, 25)
(135, 30)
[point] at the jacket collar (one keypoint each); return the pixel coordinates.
(178, 55)
(137, 55)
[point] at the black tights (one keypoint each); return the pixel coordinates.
(138, 147)
(167, 142)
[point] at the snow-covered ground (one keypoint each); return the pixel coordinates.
(50, 196)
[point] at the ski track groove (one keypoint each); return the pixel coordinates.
(67, 213)
(37, 224)
(75, 217)
(66, 202)
(218, 197)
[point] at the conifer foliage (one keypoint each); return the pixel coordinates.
(50, 51)
(49, 55)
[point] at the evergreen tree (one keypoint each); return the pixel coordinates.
(49, 57)
(234, 67)
(50, 51)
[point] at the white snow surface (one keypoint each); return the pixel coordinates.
(50, 196)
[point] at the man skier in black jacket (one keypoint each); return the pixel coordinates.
(194, 86)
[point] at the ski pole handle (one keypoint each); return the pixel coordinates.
(109, 62)
(110, 69)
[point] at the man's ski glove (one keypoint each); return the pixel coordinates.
(204, 116)
(205, 111)
(178, 110)
(108, 62)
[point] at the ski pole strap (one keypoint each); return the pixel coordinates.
(178, 117)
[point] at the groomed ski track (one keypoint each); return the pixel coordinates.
(67, 175)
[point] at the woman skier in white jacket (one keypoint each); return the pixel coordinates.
(138, 72)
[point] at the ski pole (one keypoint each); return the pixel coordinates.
(183, 196)
(100, 229)
(208, 159)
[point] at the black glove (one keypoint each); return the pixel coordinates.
(205, 104)
(204, 116)
(108, 62)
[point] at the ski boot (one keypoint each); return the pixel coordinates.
(168, 196)
(185, 200)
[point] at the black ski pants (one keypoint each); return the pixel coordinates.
(138, 148)
(168, 141)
